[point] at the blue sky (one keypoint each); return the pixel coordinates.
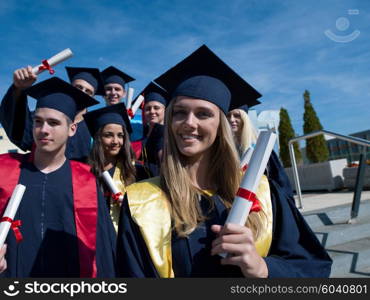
(279, 47)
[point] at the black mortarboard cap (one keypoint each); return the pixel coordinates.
(58, 94)
(244, 107)
(113, 114)
(113, 75)
(91, 75)
(205, 76)
(153, 92)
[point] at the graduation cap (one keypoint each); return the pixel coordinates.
(153, 92)
(58, 94)
(113, 114)
(244, 107)
(91, 75)
(113, 75)
(204, 75)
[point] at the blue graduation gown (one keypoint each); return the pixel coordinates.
(152, 144)
(16, 119)
(294, 252)
(49, 247)
(191, 256)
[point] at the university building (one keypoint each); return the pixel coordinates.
(343, 149)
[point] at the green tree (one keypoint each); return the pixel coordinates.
(316, 148)
(286, 133)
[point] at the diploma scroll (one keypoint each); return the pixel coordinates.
(246, 195)
(130, 95)
(10, 211)
(137, 104)
(48, 63)
(116, 193)
(244, 161)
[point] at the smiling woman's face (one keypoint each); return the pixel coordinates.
(194, 125)
(235, 121)
(154, 112)
(112, 138)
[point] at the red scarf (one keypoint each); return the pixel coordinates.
(85, 204)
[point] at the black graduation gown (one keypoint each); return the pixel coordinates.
(49, 247)
(190, 256)
(140, 172)
(16, 119)
(151, 147)
(294, 252)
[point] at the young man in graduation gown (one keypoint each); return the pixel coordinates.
(114, 85)
(16, 118)
(65, 225)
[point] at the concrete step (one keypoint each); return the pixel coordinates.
(332, 228)
(351, 259)
(335, 215)
(347, 244)
(363, 273)
(341, 232)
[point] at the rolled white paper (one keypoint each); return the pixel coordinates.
(10, 211)
(130, 95)
(112, 186)
(137, 104)
(241, 207)
(247, 156)
(52, 61)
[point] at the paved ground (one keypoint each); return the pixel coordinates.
(320, 201)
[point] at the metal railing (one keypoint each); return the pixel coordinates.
(351, 139)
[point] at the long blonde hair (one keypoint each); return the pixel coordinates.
(248, 134)
(224, 173)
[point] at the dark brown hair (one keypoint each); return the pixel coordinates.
(125, 157)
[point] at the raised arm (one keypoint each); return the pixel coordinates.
(15, 116)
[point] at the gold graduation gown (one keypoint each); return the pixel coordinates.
(149, 210)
